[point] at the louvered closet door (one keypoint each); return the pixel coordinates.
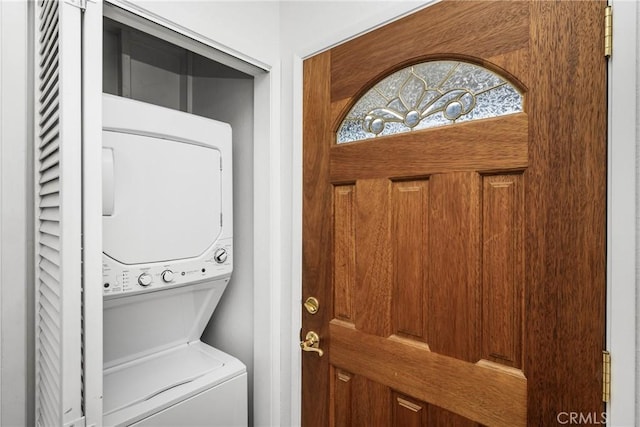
(58, 215)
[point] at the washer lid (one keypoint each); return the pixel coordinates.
(164, 198)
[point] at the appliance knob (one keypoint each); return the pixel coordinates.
(144, 279)
(167, 276)
(221, 255)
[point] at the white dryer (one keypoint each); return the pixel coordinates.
(167, 258)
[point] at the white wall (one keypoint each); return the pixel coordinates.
(231, 326)
(16, 279)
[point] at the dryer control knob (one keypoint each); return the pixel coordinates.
(221, 255)
(167, 276)
(144, 279)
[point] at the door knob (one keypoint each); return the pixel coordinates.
(312, 343)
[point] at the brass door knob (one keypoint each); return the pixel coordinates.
(312, 343)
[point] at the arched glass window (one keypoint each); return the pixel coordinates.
(430, 94)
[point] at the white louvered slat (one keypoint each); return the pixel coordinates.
(47, 13)
(49, 107)
(50, 214)
(50, 187)
(48, 125)
(50, 254)
(58, 202)
(49, 96)
(50, 138)
(49, 339)
(50, 175)
(50, 345)
(50, 200)
(50, 310)
(50, 161)
(50, 227)
(52, 269)
(50, 57)
(49, 355)
(50, 401)
(47, 150)
(50, 25)
(49, 84)
(51, 241)
(49, 385)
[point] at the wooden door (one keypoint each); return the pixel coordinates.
(459, 269)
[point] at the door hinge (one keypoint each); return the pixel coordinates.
(606, 376)
(608, 31)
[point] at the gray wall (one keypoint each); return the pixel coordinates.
(16, 226)
(638, 213)
(231, 327)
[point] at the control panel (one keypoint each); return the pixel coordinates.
(120, 279)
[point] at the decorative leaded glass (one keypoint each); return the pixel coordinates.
(429, 94)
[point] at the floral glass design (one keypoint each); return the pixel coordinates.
(426, 95)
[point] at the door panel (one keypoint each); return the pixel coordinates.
(410, 234)
(460, 269)
(502, 268)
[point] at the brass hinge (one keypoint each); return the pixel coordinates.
(608, 32)
(606, 376)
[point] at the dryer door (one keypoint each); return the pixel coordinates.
(164, 198)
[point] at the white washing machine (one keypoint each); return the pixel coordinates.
(167, 259)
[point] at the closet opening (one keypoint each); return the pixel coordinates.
(148, 62)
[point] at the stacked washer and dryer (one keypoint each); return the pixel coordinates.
(167, 259)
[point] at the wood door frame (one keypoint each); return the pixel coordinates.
(621, 228)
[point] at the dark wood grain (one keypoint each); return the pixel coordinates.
(317, 235)
(408, 412)
(371, 403)
(502, 268)
(410, 236)
(485, 145)
(484, 392)
(454, 250)
(374, 258)
(565, 220)
(344, 252)
(343, 398)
